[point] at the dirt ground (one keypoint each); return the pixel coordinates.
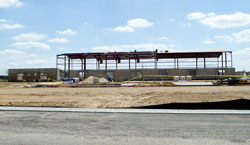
(15, 94)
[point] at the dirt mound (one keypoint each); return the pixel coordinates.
(94, 80)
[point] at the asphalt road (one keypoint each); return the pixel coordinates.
(65, 128)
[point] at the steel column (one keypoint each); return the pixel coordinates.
(218, 62)
(56, 61)
(155, 63)
(222, 64)
(135, 64)
(174, 63)
(204, 62)
(65, 69)
(231, 60)
(85, 68)
(129, 62)
(116, 64)
(177, 63)
(68, 67)
(81, 66)
(196, 63)
(225, 59)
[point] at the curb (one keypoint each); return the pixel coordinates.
(134, 111)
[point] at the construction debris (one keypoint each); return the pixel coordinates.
(47, 84)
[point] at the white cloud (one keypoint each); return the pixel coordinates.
(163, 38)
(171, 45)
(242, 36)
(31, 44)
(139, 22)
(11, 52)
(11, 58)
(138, 47)
(245, 51)
(29, 37)
(124, 29)
(213, 20)
(10, 26)
(37, 61)
(196, 15)
(58, 40)
(3, 20)
(132, 24)
(209, 42)
(61, 48)
(186, 24)
(67, 32)
(10, 3)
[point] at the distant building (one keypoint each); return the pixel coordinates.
(33, 75)
(3, 77)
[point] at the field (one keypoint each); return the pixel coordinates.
(14, 94)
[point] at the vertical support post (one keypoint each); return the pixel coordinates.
(155, 63)
(174, 63)
(218, 62)
(204, 62)
(222, 69)
(106, 63)
(135, 64)
(106, 66)
(196, 62)
(177, 63)
(129, 62)
(81, 66)
(116, 64)
(56, 61)
(72, 64)
(85, 67)
(99, 65)
(68, 67)
(57, 78)
(65, 69)
(225, 59)
(231, 60)
(96, 65)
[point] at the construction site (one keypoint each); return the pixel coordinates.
(128, 79)
(123, 66)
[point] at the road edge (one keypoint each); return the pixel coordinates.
(138, 111)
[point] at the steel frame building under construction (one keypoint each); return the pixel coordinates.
(120, 66)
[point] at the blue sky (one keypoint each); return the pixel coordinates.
(32, 32)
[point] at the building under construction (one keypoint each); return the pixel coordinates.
(121, 66)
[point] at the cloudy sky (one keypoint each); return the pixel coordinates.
(32, 32)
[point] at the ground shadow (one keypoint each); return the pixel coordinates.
(240, 104)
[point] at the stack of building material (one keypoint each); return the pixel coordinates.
(182, 78)
(189, 78)
(176, 78)
(194, 83)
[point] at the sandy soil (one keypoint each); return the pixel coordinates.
(16, 95)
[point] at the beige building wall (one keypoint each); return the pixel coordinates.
(123, 75)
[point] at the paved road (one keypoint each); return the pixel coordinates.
(68, 128)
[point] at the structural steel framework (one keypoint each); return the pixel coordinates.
(66, 61)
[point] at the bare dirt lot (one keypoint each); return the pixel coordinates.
(14, 94)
